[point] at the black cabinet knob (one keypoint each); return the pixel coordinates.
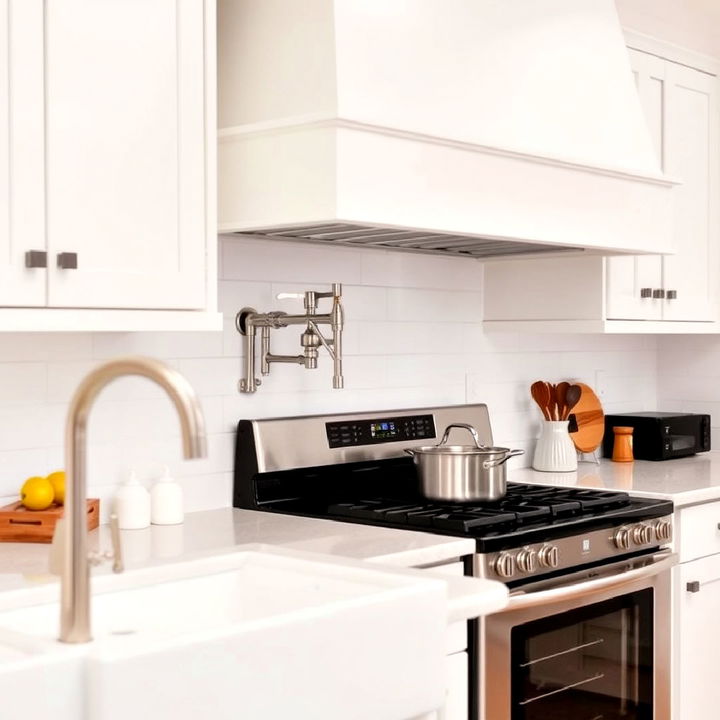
(67, 261)
(693, 586)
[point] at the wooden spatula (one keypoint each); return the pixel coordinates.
(541, 395)
(562, 388)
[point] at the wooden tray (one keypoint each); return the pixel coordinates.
(18, 524)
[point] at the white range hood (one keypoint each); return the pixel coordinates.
(479, 127)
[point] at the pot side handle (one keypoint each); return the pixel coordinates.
(494, 463)
(409, 451)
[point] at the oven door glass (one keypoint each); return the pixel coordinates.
(594, 663)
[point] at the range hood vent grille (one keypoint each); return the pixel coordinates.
(354, 235)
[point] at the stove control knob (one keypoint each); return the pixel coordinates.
(504, 565)
(549, 556)
(663, 530)
(527, 560)
(642, 534)
(621, 538)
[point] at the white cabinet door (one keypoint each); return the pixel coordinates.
(696, 688)
(628, 276)
(125, 143)
(457, 706)
(692, 154)
(21, 151)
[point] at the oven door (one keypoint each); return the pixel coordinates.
(593, 645)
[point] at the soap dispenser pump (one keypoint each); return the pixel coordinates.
(132, 504)
(167, 501)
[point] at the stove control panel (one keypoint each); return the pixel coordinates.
(406, 428)
(572, 552)
(639, 534)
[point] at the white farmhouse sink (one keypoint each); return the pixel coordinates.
(259, 634)
(39, 679)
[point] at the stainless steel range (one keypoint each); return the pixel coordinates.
(587, 628)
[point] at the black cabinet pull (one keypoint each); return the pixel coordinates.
(693, 586)
(35, 259)
(67, 261)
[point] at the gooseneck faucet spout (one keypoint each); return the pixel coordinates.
(75, 579)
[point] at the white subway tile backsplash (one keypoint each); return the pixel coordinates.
(18, 465)
(159, 344)
(418, 370)
(394, 269)
(413, 338)
(23, 383)
(211, 376)
(448, 306)
(233, 295)
(37, 347)
(32, 426)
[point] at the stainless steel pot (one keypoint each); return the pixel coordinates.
(461, 473)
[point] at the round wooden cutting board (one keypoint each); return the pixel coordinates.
(590, 421)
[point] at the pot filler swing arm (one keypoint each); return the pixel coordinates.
(248, 320)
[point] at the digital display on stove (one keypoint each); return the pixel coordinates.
(351, 433)
(383, 429)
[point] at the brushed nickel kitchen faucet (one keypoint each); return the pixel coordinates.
(75, 576)
(248, 320)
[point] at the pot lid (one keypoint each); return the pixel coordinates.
(459, 450)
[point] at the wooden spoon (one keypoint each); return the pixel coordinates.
(541, 395)
(553, 405)
(572, 397)
(562, 388)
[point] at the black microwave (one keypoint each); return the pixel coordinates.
(660, 435)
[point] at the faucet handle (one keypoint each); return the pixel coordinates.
(98, 558)
(55, 557)
(117, 553)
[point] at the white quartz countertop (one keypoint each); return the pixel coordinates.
(221, 531)
(685, 481)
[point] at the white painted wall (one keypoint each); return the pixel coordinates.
(689, 377)
(693, 24)
(413, 338)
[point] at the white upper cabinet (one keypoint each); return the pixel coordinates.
(681, 106)
(113, 171)
(22, 217)
(631, 281)
(670, 293)
(692, 153)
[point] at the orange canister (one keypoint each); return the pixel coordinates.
(623, 444)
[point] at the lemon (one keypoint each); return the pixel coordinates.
(57, 480)
(37, 493)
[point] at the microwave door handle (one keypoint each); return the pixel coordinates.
(663, 561)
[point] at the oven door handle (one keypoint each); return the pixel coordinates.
(574, 591)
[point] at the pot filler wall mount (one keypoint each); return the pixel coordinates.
(248, 320)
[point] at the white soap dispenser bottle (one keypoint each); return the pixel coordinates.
(167, 501)
(132, 504)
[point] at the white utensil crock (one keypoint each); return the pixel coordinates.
(555, 451)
